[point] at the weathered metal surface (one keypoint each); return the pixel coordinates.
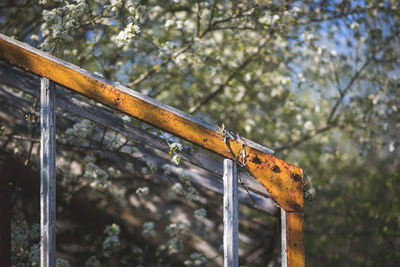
(47, 174)
(292, 239)
(231, 217)
(283, 181)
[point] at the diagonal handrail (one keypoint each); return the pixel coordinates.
(283, 181)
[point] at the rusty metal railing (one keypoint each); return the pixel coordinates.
(283, 181)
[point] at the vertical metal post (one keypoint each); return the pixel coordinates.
(231, 258)
(47, 174)
(292, 239)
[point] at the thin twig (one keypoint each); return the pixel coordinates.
(346, 89)
(306, 137)
(23, 138)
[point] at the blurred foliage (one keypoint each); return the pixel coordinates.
(316, 80)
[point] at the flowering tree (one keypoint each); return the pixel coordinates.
(318, 81)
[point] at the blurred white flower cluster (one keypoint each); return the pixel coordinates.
(167, 49)
(175, 244)
(142, 191)
(25, 245)
(92, 262)
(62, 263)
(177, 228)
(79, 131)
(125, 36)
(111, 242)
(200, 213)
(99, 179)
(196, 259)
(60, 23)
(174, 148)
(149, 168)
(148, 229)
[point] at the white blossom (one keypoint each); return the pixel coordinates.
(354, 25)
(126, 118)
(176, 159)
(169, 22)
(177, 228)
(174, 245)
(92, 262)
(152, 166)
(148, 229)
(177, 188)
(79, 131)
(34, 254)
(308, 125)
(62, 263)
(142, 191)
(196, 259)
(112, 239)
(167, 169)
(192, 194)
(129, 166)
(200, 213)
(127, 34)
(114, 172)
(98, 178)
(392, 146)
(176, 146)
(60, 23)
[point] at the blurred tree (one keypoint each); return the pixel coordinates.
(316, 80)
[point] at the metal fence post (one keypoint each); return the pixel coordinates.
(47, 174)
(231, 258)
(292, 239)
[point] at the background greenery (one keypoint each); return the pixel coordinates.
(318, 81)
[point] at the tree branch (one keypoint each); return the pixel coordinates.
(220, 88)
(148, 73)
(343, 92)
(306, 137)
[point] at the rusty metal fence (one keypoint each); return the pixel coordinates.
(277, 182)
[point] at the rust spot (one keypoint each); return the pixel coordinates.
(117, 101)
(256, 160)
(205, 140)
(293, 205)
(276, 169)
(295, 177)
(295, 244)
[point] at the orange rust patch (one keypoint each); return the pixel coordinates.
(255, 160)
(294, 239)
(276, 169)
